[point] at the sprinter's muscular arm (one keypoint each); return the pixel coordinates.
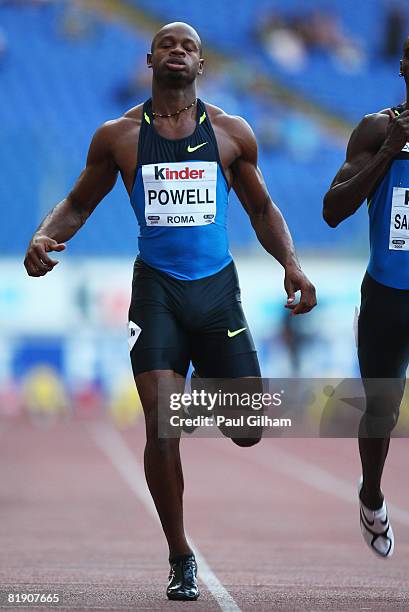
(63, 221)
(371, 148)
(266, 219)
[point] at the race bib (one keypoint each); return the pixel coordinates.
(180, 194)
(399, 228)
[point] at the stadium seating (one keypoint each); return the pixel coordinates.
(351, 95)
(56, 88)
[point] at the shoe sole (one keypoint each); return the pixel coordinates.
(176, 598)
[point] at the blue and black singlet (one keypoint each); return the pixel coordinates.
(180, 200)
(388, 211)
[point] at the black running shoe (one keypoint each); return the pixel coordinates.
(182, 579)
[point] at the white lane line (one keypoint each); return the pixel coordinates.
(112, 444)
(319, 478)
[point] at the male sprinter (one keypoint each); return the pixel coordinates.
(178, 158)
(377, 168)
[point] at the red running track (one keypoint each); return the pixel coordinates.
(276, 526)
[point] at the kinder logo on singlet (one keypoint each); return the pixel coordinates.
(180, 194)
(162, 174)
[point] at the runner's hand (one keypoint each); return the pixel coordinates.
(295, 280)
(397, 134)
(37, 262)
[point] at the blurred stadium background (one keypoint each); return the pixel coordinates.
(302, 74)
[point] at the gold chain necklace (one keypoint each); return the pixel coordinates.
(177, 112)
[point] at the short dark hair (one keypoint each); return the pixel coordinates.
(187, 26)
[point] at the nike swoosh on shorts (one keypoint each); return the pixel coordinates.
(231, 334)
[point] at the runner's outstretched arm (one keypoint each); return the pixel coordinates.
(267, 220)
(63, 221)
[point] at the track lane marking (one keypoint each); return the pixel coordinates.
(317, 477)
(114, 447)
(324, 481)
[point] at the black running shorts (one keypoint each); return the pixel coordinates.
(174, 322)
(383, 351)
(383, 330)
